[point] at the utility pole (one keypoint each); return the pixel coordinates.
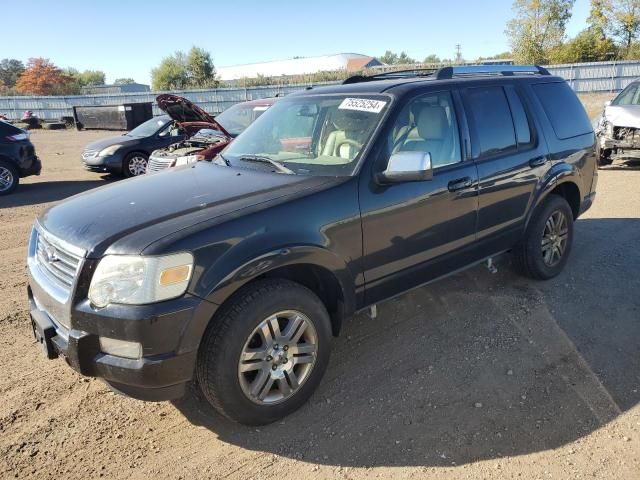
(458, 54)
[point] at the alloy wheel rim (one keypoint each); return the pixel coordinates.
(554, 238)
(278, 357)
(137, 166)
(6, 179)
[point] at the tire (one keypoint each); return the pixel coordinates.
(235, 331)
(9, 178)
(542, 244)
(132, 164)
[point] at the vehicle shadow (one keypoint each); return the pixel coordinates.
(52, 191)
(624, 163)
(477, 366)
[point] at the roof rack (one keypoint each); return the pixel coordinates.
(451, 72)
(413, 72)
(479, 70)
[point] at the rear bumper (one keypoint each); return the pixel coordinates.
(34, 169)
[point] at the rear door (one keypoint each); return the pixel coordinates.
(511, 158)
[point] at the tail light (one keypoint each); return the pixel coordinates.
(17, 137)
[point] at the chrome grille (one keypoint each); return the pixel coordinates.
(156, 164)
(57, 262)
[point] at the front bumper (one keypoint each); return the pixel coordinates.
(106, 163)
(156, 376)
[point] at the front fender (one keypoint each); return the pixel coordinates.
(245, 271)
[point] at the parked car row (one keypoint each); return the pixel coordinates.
(236, 273)
(185, 134)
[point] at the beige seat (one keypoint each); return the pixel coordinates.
(432, 127)
(349, 126)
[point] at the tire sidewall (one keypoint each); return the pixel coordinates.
(222, 362)
(125, 165)
(14, 173)
(534, 237)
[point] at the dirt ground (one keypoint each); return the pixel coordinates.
(478, 376)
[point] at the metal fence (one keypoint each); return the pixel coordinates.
(583, 77)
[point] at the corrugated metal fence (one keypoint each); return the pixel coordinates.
(583, 77)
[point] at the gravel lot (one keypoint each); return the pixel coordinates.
(478, 376)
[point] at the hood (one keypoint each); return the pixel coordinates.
(183, 111)
(107, 142)
(172, 199)
(623, 115)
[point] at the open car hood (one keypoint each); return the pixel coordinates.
(185, 112)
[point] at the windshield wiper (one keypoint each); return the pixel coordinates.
(263, 159)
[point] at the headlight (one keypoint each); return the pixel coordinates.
(138, 280)
(608, 129)
(186, 160)
(109, 150)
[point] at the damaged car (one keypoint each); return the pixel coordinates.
(618, 127)
(209, 135)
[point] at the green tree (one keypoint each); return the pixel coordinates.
(391, 58)
(537, 28)
(10, 71)
(91, 77)
(623, 18)
(202, 73)
(431, 59)
(171, 74)
(124, 81)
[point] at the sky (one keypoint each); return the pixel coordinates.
(129, 38)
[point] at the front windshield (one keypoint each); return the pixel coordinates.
(149, 127)
(629, 96)
(311, 135)
(237, 118)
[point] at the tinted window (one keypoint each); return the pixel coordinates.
(491, 118)
(428, 124)
(520, 120)
(564, 110)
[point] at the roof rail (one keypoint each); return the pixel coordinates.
(413, 72)
(450, 72)
(472, 70)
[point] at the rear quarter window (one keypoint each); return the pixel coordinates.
(564, 110)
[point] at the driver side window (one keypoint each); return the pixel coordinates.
(428, 124)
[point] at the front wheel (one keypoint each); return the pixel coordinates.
(265, 353)
(546, 245)
(134, 164)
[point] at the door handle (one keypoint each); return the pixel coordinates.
(459, 184)
(538, 161)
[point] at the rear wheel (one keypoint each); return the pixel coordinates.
(265, 352)
(546, 245)
(134, 164)
(9, 178)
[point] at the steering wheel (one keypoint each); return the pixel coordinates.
(347, 141)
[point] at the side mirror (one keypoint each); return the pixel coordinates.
(607, 103)
(408, 167)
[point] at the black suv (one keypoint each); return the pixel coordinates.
(17, 157)
(237, 273)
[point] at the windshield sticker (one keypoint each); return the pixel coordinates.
(362, 105)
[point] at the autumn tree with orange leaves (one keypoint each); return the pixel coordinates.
(42, 77)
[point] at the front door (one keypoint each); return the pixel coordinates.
(416, 231)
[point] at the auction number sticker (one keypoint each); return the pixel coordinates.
(362, 105)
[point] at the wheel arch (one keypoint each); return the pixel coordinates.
(563, 180)
(314, 267)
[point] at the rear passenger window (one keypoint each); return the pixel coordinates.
(564, 110)
(490, 116)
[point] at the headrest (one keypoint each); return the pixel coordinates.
(350, 120)
(432, 122)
